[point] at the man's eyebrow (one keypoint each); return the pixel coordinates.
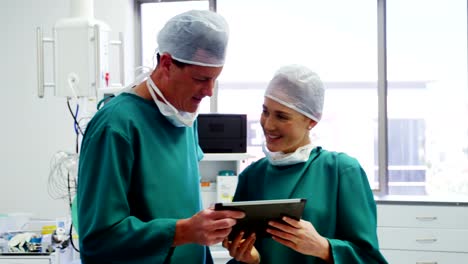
(204, 77)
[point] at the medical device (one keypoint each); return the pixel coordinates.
(78, 55)
(81, 51)
(222, 133)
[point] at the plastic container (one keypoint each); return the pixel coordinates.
(226, 186)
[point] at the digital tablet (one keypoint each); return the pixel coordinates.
(258, 213)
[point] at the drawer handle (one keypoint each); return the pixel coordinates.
(426, 218)
(426, 262)
(426, 240)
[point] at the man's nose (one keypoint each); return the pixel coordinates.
(208, 90)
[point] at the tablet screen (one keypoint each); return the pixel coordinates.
(258, 213)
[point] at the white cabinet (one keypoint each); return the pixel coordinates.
(211, 164)
(26, 259)
(423, 234)
(209, 168)
(424, 257)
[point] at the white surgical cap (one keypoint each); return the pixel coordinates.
(197, 37)
(298, 88)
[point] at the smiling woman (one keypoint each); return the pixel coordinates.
(334, 183)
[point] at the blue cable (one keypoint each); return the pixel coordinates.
(74, 117)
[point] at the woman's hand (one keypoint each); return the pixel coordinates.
(243, 250)
(302, 237)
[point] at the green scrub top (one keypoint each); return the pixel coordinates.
(138, 174)
(340, 205)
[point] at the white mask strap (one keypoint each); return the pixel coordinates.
(153, 88)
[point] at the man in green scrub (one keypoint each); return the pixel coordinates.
(339, 221)
(138, 179)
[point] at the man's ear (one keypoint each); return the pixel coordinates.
(165, 62)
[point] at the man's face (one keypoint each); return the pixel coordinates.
(188, 85)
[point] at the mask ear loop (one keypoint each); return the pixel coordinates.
(167, 109)
(152, 88)
(145, 73)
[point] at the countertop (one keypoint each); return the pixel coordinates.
(444, 200)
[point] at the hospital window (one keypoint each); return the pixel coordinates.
(426, 43)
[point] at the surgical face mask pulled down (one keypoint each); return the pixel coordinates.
(283, 159)
(176, 117)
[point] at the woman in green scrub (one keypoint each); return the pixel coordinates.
(138, 180)
(339, 221)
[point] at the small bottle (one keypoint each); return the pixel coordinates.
(226, 185)
(226, 173)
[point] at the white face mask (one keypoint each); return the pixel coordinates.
(176, 117)
(281, 159)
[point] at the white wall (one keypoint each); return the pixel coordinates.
(33, 129)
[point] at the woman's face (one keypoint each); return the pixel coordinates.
(284, 129)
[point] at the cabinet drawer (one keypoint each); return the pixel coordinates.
(425, 216)
(20, 260)
(423, 257)
(450, 240)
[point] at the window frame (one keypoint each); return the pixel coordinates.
(382, 87)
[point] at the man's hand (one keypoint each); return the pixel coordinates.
(207, 227)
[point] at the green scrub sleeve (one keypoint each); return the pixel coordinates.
(107, 231)
(200, 154)
(356, 220)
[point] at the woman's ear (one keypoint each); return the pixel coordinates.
(312, 124)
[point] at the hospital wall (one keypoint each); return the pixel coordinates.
(33, 129)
